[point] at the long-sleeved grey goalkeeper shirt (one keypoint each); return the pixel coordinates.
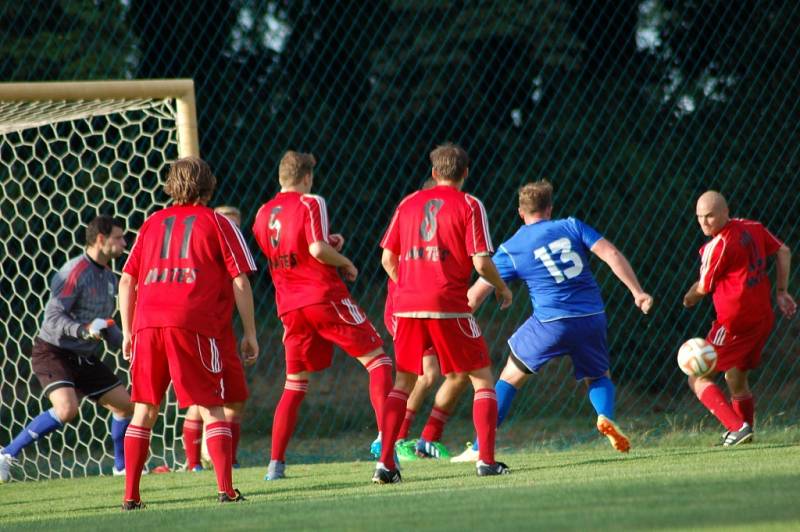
(80, 291)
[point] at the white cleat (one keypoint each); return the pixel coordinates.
(117, 472)
(5, 466)
(469, 455)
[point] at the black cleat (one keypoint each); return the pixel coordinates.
(488, 470)
(224, 497)
(132, 505)
(386, 476)
(737, 437)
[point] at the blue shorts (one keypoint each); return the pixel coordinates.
(583, 339)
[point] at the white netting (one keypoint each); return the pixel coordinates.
(61, 164)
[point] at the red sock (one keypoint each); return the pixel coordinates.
(192, 440)
(286, 416)
(406, 426)
(393, 413)
(714, 400)
(484, 416)
(745, 407)
(236, 430)
(137, 444)
(218, 440)
(435, 425)
(380, 382)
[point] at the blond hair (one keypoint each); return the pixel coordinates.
(294, 166)
(449, 161)
(536, 197)
(190, 180)
(230, 212)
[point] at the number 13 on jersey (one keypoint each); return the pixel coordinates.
(572, 265)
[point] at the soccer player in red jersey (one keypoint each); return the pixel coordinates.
(433, 241)
(233, 380)
(734, 270)
(173, 290)
(313, 303)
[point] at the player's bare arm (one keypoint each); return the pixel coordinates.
(478, 293)
(786, 302)
(243, 294)
(390, 262)
(693, 295)
(326, 254)
(485, 267)
(336, 240)
(127, 302)
(608, 253)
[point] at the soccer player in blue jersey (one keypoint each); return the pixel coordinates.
(552, 258)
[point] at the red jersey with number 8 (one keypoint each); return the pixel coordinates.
(284, 228)
(734, 270)
(184, 260)
(435, 233)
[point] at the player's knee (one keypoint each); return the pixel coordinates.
(66, 411)
(427, 380)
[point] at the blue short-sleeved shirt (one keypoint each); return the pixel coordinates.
(552, 258)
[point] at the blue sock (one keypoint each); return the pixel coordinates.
(118, 427)
(41, 426)
(505, 395)
(601, 395)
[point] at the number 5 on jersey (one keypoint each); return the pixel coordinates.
(567, 256)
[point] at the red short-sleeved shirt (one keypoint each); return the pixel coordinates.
(183, 260)
(734, 270)
(435, 233)
(284, 228)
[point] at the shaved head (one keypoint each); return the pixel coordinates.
(712, 212)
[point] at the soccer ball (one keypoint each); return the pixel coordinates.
(697, 358)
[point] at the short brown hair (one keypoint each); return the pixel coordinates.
(536, 196)
(189, 180)
(449, 161)
(295, 166)
(101, 225)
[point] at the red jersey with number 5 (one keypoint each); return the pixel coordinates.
(284, 228)
(734, 270)
(184, 260)
(435, 233)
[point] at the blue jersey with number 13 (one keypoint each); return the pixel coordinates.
(552, 258)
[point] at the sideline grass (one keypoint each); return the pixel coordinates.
(755, 486)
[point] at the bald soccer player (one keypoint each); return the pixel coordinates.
(734, 270)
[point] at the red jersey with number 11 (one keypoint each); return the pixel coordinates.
(435, 233)
(284, 228)
(184, 260)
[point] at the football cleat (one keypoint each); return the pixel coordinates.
(5, 466)
(431, 449)
(132, 505)
(470, 454)
(375, 447)
(197, 468)
(406, 451)
(224, 497)
(276, 470)
(236, 465)
(118, 472)
(386, 476)
(489, 470)
(737, 437)
(612, 431)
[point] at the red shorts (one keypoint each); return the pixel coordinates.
(391, 325)
(234, 383)
(743, 350)
(190, 360)
(457, 342)
(311, 332)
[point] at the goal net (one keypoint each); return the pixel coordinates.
(68, 152)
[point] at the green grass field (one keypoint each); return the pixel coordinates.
(671, 486)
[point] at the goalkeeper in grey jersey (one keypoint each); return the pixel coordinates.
(77, 322)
